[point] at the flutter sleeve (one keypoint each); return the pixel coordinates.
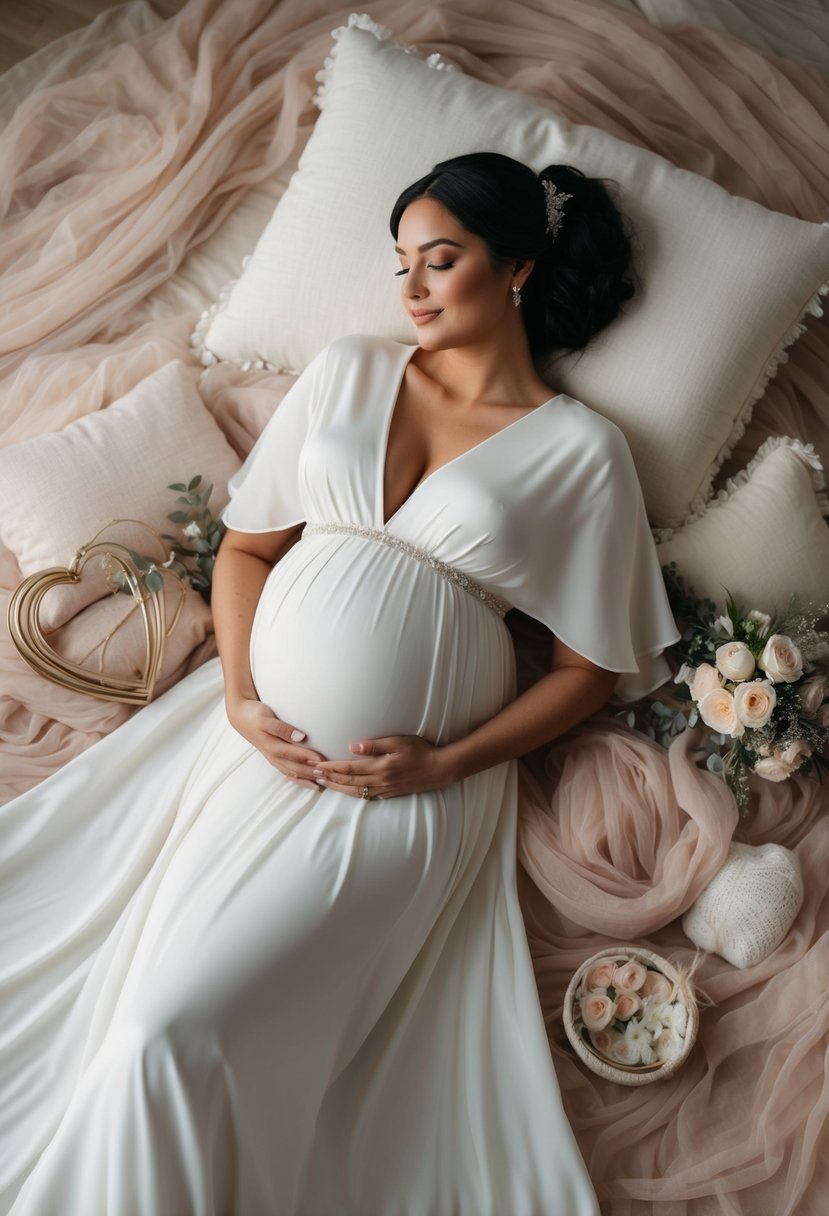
(594, 576)
(265, 493)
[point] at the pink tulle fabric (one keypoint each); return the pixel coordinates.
(124, 147)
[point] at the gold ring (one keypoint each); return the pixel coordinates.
(366, 794)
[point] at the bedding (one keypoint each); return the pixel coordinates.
(142, 159)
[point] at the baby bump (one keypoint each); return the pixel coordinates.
(353, 640)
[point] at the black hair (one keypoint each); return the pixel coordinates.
(582, 275)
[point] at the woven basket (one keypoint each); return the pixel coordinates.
(626, 1074)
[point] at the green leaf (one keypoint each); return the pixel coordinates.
(154, 581)
(179, 517)
(714, 764)
(178, 485)
(138, 560)
(196, 480)
(200, 546)
(205, 494)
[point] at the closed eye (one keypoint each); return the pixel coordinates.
(429, 266)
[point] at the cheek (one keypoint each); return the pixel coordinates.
(473, 286)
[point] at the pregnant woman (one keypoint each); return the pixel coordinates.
(262, 947)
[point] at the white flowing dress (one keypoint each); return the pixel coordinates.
(224, 993)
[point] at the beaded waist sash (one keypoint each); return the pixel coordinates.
(450, 573)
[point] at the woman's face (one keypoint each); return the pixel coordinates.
(448, 284)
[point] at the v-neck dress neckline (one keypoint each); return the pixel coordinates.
(383, 450)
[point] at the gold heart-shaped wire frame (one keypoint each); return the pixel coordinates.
(28, 638)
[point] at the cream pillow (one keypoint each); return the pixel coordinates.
(763, 536)
(59, 489)
(726, 282)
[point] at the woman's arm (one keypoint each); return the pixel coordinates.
(404, 764)
(243, 563)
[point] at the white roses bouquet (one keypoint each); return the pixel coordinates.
(761, 684)
(630, 1015)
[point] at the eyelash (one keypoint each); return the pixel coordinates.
(430, 266)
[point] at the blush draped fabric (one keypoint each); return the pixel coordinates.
(125, 147)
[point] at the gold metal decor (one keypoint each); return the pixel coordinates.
(28, 638)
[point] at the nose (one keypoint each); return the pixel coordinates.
(413, 286)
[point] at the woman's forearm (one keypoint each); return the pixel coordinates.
(238, 579)
(558, 701)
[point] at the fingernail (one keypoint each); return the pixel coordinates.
(318, 772)
(296, 735)
(356, 747)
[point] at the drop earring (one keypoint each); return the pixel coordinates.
(516, 295)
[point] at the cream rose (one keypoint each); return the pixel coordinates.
(725, 625)
(704, 679)
(717, 711)
(811, 695)
(599, 977)
(754, 702)
(795, 754)
(761, 619)
(781, 660)
(669, 1045)
(629, 976)
(596, 1010)
(735, 660)
(771, 768)
(822, 715)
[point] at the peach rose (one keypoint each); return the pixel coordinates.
(605, 1040)
(656, 985)
(627, 1003)
(717, 711)
(599, 977)
(754, 702)
(703, 679)
(735, 660)
(596, 1010)
(629, 976)
(811, 695)
(623, 1052)
(781, 660)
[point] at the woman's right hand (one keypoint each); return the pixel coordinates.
(272, 737)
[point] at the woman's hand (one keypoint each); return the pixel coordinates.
(397, 764)
(278, 741)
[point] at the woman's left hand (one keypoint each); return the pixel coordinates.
(397, 764)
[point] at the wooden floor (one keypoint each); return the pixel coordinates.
(28, 25)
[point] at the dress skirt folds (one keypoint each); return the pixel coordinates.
(225, 993)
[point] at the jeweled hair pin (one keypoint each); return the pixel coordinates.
(555, 200)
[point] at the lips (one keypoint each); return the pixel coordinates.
(422, 316)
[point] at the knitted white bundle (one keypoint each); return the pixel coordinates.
(749, 906)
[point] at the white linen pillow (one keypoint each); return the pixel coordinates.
(763, 536)
(726, 282)
(61, 488)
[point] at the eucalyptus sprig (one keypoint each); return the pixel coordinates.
(192, 554)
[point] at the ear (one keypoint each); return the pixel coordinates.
(522, 272)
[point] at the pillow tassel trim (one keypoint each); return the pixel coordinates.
(362, 21)
(806, 452)
(781, 355)
(198, 338)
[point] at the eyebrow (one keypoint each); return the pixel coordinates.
(441, 240)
